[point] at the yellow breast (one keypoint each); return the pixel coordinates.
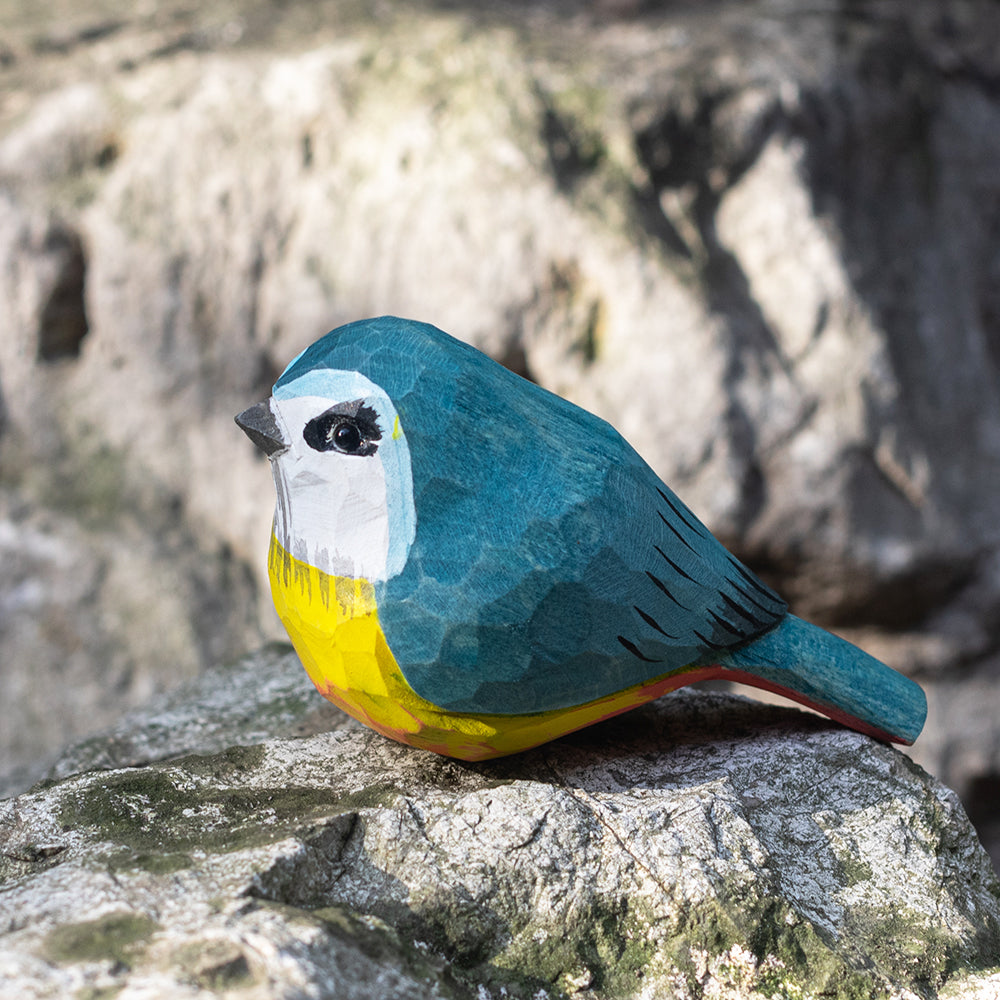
(333, 624)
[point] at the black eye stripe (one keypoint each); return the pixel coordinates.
(350, 428)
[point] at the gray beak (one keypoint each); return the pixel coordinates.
(258, 423)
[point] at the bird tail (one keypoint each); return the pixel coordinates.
(829, 674)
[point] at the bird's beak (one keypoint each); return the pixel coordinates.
(259, 424)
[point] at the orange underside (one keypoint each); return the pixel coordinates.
(653, 690)
(499, 736)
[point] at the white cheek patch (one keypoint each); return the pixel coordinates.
(348, 515)
(336, 523)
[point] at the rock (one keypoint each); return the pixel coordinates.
(758, 239)
(701, 846)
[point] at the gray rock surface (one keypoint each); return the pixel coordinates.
(703, 846)
(760, 238)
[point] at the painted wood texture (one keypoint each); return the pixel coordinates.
(458, 551)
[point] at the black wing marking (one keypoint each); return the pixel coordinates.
(689, 520)
(652, 622)
(701, 596)
(634, 650)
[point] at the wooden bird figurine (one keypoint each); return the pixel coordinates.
(470, 564)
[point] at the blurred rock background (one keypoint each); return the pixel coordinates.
(761, 238)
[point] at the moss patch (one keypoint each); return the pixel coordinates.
(855, 870)
(605, 947)
(905, 948)
(791, 954)
(163, 812)
(118, 937)
(612, 946)
(223, 765)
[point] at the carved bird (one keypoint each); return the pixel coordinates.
(470, 564)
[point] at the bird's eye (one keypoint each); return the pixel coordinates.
(346, 436)
(350, 428)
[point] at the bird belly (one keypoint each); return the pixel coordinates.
(334, 626)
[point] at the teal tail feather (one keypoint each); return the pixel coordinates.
(829, 674)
